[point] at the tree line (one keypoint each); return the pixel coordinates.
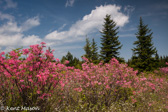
(144, 57)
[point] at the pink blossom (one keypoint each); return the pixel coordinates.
(2, 53)
(78, 89)
(66, 62)
(25, 51)
(30, 80)
(38, 92)
(99, 83)
(133, 100)
(84, 58)
(57, 60)
(42, 43)
(107, 87)
(21, 80)
(166, 63)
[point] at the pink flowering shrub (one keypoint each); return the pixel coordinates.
(97, 82)
(29, 81)
(32, 77)
(164, 69)
(109, 83)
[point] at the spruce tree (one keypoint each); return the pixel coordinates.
(63, 59)
(68, 57)
(87, 48)
(144, 51)
(156, 60)
(109, 40)
(94, 53)
(73, 61)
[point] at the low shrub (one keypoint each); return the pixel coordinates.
(32, 77)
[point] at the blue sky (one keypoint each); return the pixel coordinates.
(64, 24)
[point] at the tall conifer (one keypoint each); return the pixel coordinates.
(109, 40)
(87, 48)
(95, 56)
(144, 51)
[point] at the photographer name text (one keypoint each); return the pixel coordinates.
(20, 108)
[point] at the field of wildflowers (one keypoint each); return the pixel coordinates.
(32, 77)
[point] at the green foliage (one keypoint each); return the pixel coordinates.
(87, 48)
(73, 61)
(91, 51)
(156, 60)
(7, 56)
(109, 41)
(123, 94)
(95, 56)
(144, 51)
(121, 60)
(162, 61)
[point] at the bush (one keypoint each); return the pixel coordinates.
(32, 77)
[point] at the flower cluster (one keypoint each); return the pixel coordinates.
(34, 77)
(164, 69)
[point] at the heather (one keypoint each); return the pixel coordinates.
(34, 77)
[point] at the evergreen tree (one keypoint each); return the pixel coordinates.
(73, 61)
(87, 48)
(162, 61)
(68, 57)
(144, 50)
(109, 41)
(94, 53)
(77, 63)
(91, 51)
(156, 60)
(63, 59)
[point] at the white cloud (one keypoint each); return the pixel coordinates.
(10, 4)
(10, 40)
(69, 3)
(30, 23)
(10, 28)
(90, 23)
(18, 40)
(12, 35)
(32, 39)
(6, 16)
(61, 27)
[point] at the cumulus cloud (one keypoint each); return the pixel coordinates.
(30, 23)
(89, 23)
(69, 3)
(10, 28)
(6, 16)
(12, 35)
(18, 39)
(31, 39)
(10, 40)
